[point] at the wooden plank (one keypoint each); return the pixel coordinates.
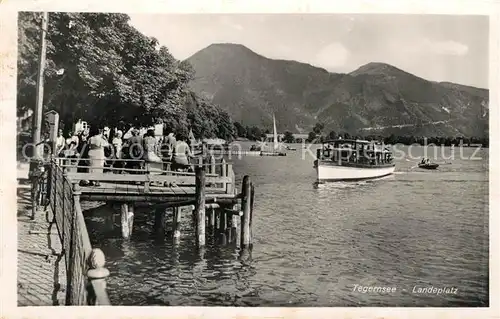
(183, 190)
(172, 190)
(131, 189)
(166, 198)
(107, 177)
(190, 190)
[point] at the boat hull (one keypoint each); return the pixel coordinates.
(428, 166)
(337, 173)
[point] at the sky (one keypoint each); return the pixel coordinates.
(435, 47)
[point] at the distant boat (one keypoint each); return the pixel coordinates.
(273, 151)
(351, 160)
(264, 153)
(428, 165)
(275, 143)
(275, 134)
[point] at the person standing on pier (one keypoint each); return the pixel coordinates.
(60, 143)
(181, 154)
(71, 147)
(83, 151)
(171, 141)
(96, 152)
(71, 143)
(105, 133)
(118, 145)
(135, 149)
(153, 161)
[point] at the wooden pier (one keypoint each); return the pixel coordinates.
(210, 193)
(210, 188)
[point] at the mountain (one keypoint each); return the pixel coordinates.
(377, 97)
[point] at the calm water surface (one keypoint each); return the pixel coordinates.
(313, 244)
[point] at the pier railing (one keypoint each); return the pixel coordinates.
(220, 175)
(84, 266)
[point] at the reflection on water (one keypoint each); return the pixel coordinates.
(312, 244)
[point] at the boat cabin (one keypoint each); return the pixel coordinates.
(357, 152)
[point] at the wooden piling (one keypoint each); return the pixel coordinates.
(212, 218)
(160, 221)
(176, 223)
(208, 214)
(237, 229)
(222, 239)
(110, 222)
(230, 234)
(131, 214)
(109, 219)
(223, 172)
(217, 220)
(223, 221)
(212, 164)
(230, 187)
(127, 219)
(224, 168)
(252, 197)
(229, 228)
(246, 239)
(200, 206)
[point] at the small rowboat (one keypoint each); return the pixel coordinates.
(428, 165)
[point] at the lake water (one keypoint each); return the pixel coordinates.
(312, 245)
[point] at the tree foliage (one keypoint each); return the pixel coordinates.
(318, 128)
(288, 137)
(240, 130)
(112, 74)
(312, 137)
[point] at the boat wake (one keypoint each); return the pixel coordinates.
(339, 185)
(346, 184)
(353, 184)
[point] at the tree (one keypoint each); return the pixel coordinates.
(312, 137)
(254, 133)
(288, 137)
(225, 127)
(318, 128)
(112, 74)
(391, 140)
(240, 129)
(332, 135)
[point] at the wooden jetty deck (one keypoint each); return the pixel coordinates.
(209, 193)
(146, 184)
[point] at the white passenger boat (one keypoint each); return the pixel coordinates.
(352, 160)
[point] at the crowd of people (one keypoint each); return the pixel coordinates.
(97, 150)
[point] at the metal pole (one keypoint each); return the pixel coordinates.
(38, 114)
